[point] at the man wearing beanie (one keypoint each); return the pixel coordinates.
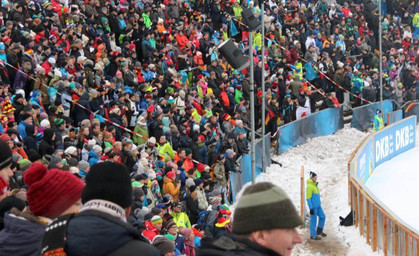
(264, 223)
(51, 193)
(5, 171)
(164, 245)
(100, 227)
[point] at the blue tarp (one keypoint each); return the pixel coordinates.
(322, 123)
(363, 117)
(237, 180)
(394, 116)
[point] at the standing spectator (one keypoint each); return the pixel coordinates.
(316, 211)
(192, 205)
(170, 187)
(180, 218)
(152, 228)
(189, 241)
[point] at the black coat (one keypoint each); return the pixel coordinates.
(80, 113)
(127, 159)
(95, 233)
(192, 208)
(230, 165)
(47, 145)
(232, 245)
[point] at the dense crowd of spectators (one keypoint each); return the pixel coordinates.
(141, 83)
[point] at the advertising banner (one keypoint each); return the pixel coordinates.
(383, 146)
(394, 140)
(365, 164)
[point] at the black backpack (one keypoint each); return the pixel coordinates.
(348, 220)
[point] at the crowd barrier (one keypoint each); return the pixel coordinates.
(363, 116)
(383, 229)
(238, 179)
(321, 123)
(394, 116)
(411, 109)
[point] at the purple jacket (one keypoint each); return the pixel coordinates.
(20, 80)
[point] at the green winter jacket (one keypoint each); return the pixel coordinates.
(142, 131)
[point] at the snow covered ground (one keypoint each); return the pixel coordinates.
(328, 157)
(395, 184)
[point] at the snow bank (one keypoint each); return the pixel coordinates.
(395, 183)
(328, 157)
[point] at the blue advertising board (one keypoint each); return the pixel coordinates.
(365, 164)
(394, 140)
(384, 145)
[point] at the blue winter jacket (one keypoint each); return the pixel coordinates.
(21, 128)
(312, 194)
(20, 237)
(93, 158)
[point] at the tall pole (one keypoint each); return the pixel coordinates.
(263, 88)
(381, 55)
(252, 108)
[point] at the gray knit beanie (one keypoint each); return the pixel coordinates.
(264, 206)
(163, 244)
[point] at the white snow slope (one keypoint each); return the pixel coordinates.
(328, 157)
(395, 183)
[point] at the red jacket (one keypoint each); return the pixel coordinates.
(150, 231)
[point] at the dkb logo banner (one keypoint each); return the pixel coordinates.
(394, 140)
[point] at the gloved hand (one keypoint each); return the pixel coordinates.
(311, 211)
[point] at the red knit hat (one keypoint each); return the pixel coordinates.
(5, 137)
(201, 137)
(171, 174)
(51, 192)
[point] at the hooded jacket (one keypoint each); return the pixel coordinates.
(47, 144)
(96, 233)
(30, 142)
(80, 113)
(22, 235)
(312, 194)
(93, 158)
(170, 188)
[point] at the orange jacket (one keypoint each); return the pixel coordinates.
(181, 40)
(170, 188)
(187, 164)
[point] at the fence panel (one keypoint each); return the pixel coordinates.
(321, 123)
(363, 117)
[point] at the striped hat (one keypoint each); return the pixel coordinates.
(264, 206)
(156, 219)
